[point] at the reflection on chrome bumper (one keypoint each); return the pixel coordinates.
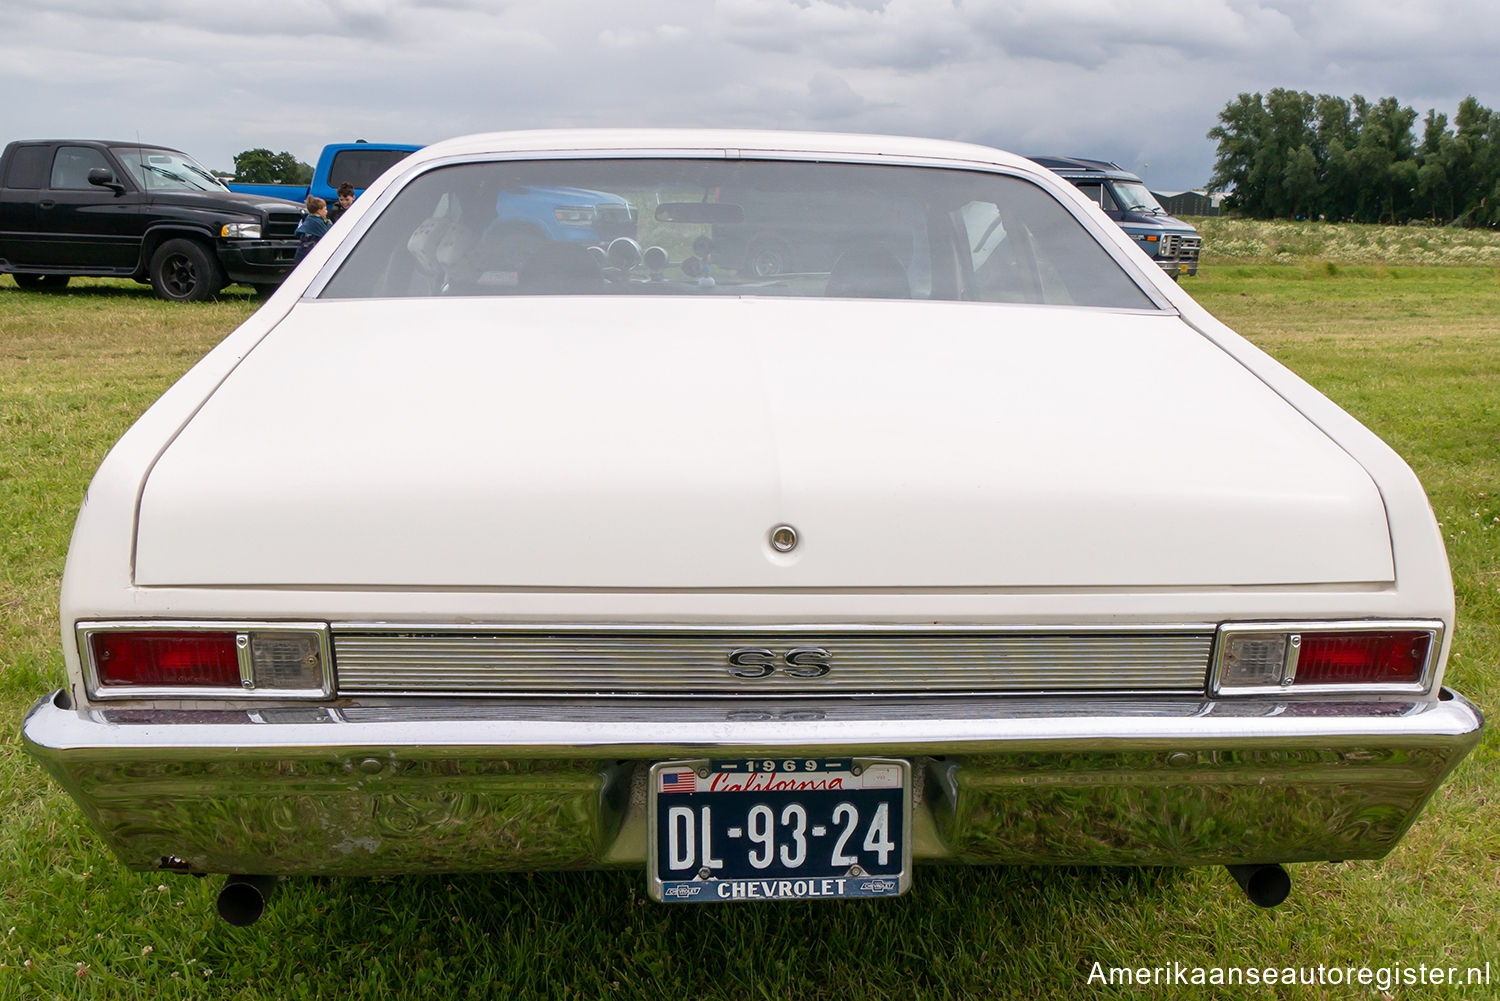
(408, 786)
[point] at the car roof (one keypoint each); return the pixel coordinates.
(367, 144)
(1071, 166)
(111, 143)
(730, 141)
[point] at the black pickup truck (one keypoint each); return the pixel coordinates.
(131, 210)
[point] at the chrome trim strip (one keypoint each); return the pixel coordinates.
(1294, 631)
(242, 629)
(795, 628)
(695, 661)
(242, 652)
(793, 709)
(1064, 723)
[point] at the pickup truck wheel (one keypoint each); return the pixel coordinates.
(41, 283)
(185, 271)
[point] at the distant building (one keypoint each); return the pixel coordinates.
(1181, 203)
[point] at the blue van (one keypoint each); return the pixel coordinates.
(1123, 196)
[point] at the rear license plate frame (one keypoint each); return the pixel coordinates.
(710, 839)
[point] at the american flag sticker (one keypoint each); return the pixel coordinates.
(683, 781)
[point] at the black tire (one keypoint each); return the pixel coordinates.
(41, 283)
(185, 271)
(265, 291)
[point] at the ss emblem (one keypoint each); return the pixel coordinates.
(754, 662)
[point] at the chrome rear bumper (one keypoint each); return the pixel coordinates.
(408, 786)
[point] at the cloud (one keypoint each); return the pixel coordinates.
(636, 38)
(1116, 78)
(893, 34)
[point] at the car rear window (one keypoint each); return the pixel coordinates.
(746, 227)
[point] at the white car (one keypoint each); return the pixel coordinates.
(875, 502)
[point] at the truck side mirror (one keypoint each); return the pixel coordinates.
(104, 178)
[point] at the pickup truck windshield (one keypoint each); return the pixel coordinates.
(716, 227)
(165, 170)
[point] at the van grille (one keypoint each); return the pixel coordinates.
(1180, 248)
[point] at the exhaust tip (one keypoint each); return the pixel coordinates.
(1266, 884)
(243, 899)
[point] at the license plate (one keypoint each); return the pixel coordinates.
(734, 830)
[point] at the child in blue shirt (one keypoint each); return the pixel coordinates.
(312, 226)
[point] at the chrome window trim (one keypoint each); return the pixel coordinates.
(1294, 629)
(1041, 178)
(85, 629)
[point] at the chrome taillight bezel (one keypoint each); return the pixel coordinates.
(245, 632)
(1286, 685)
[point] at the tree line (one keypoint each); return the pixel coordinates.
(1288, 154)
(261, 166)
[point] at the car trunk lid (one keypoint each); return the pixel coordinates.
(654, 442)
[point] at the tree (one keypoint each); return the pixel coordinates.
(1241, 134)
(1268, 154)
(261, 166)
(1475, 166)
(1300, 183)
(1435, 156)
(1290, 180)
(1385, 159)
(1334, 136)
(1291, 154)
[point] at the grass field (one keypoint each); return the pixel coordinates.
(1412, 349)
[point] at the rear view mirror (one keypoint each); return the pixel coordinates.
(720, 213)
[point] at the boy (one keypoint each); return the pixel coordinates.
(312, 226)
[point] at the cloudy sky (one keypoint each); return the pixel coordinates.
(1137, 82)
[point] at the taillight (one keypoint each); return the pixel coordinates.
(1397, 657)
(175, 659)
(1354, 657)
(210, 659)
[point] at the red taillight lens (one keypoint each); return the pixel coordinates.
(1365, 657)
(176, 659)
